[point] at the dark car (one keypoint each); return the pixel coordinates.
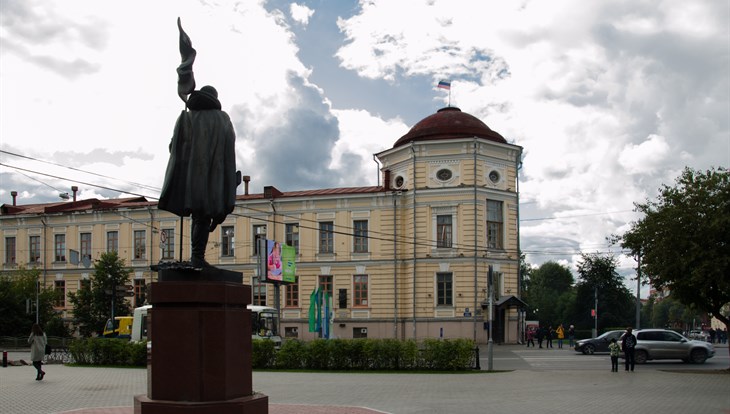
(599, 344)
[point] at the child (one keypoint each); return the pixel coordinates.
(615, 351)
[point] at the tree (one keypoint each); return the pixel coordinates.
(549, 293)
(616, 307)
(93, 301)
(18, 307)
(684, 240)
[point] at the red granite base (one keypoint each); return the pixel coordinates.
(253, 404)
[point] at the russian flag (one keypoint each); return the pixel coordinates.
(445, 85)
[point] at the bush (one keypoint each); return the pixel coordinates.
(371, 354)
(108, 351)
(263, 353)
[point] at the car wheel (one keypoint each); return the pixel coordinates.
(589, 349)
(640, 357)
(698, 356)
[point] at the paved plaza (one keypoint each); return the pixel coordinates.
(527, 390)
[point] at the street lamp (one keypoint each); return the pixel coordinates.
(490, 288)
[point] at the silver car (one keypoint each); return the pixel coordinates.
(666, 344)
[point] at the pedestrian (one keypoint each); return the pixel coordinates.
(571, 336)
(540, 335)
(530, 336)
(628, 344)
(712, 336)
(561, 335)
(615, 350)
(37, 341)
(549, 333)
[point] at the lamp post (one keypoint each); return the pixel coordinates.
(490, 288)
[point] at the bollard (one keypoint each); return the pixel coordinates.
(5, 359)
(476, 352)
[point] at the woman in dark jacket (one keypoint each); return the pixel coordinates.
(37, 341)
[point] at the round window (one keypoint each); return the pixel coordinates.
(443, 174)
(494, 176)
(399, 181)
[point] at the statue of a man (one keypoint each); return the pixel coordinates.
(201, 177)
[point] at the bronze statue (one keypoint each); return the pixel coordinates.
(201, 176)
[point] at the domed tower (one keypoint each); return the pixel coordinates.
(454, 186)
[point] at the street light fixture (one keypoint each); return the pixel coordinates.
(490, 288)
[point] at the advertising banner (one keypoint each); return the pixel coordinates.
(279, 262)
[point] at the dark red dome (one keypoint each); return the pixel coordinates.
(447, 123)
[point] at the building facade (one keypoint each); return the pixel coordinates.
(408, 258)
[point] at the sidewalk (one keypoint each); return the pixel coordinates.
(72, 388)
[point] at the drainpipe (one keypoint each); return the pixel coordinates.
(476, 227)
(413, 153)
(45, 265)
(152, 240)
(395, 267)
(521, 322)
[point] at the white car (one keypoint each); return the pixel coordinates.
(665, 344)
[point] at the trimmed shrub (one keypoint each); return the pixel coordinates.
(108, 351)
(264, 352)
(291, 355)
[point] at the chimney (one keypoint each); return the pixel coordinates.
(270, 192)
(246, 180)
(14, 194)
(386, 180)
(74, 189)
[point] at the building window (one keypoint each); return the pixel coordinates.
(227, 236)
(35, 249)
(167, 244)
(85, 243)
(10, 250)
(361, 236)
(60, 288)
(325, 284)
(326, 237)
(498, 281)
(60, 248)
(360, 289)
(291, 332)
(495, 225)
(444, 289)
(112, 241)
(292, 236)
(443, 231)
(139, 245)
(259, 232)
(359, 333)
(259, 292)
(292, 295)
(140, 292)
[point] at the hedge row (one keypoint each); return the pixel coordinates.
(365, 354)
(108, 351)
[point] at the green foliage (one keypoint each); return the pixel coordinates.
(683, 240)
(93, 301)
(108, 351)
(616, 305)
(17, 304)
(368, 354)
(263, 353)
(549, 294)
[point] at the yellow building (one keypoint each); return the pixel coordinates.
(406, 258)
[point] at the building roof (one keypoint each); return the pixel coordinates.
(447, 123)
(71, 206)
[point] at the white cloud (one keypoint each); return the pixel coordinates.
(646, 157)
(300, 13)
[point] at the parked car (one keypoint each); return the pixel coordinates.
(699, 335)
(665, 344)
(598, 344)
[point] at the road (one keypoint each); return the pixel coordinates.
(515, 357)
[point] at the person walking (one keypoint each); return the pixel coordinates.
(37, 341)
(561, 335)
(530, 336)
(628, 344)
(615, 350)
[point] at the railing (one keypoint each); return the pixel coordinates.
(59, 347)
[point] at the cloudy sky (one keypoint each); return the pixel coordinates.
(610, 99)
